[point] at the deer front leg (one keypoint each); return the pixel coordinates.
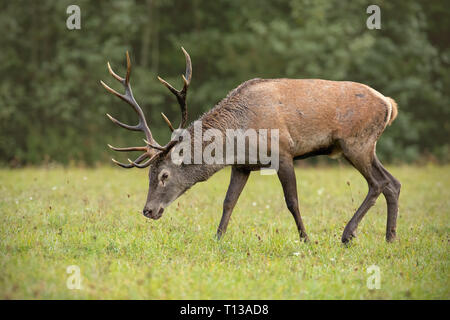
(237, 182)
(286, 174)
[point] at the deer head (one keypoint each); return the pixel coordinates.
(167, 180)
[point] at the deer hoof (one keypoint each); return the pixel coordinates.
(390, 237)
(304, 238)
(219, 235)
(347, 236)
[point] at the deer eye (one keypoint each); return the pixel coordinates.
(163, 175)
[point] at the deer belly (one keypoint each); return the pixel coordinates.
(316, 144)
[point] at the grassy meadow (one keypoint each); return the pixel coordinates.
(91, 218)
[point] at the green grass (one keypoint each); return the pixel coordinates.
(51, 219)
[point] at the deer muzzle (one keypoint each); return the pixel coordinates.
(154, 213)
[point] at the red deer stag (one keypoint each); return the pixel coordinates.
(313, 117)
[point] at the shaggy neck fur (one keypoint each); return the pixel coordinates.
(230, 113)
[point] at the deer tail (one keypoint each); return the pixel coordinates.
(394, 111)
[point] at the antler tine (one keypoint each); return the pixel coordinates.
(114, 92)
(138, 160)
(188, 75)
(123, 165)
(158, 147)
(172, 89)
(127, 149)
(167, 121)
(145, 164)
(123, 125)
(187, 81)
(127, 78)
(181, 94)
(111, 72)
(167, 147)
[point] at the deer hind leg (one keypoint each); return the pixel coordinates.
(364, 160)
(391, 193)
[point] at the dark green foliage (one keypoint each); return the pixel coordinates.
(52, 107)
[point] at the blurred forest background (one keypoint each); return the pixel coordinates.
(52, 107)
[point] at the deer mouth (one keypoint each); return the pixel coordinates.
(159, 214)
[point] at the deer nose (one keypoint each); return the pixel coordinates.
(153, 213)
(147, 212)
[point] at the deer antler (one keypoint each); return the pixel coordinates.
(180, 94)
(141, 126)
(151, 144)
